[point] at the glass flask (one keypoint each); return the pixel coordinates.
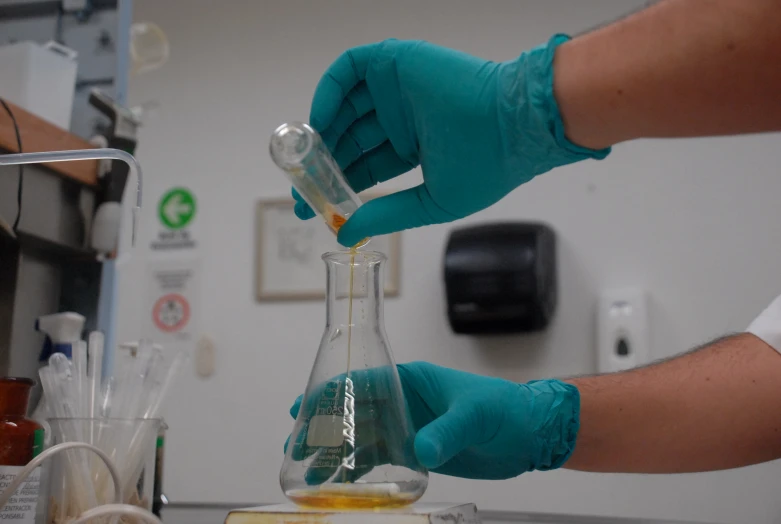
(352, 445)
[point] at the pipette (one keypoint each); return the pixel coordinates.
(80, 386)
(157, 387)
(56, 379)
(94, 379)
(95, 372)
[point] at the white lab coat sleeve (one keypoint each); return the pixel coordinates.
(767, 325)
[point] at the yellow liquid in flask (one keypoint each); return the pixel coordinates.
(337, 499)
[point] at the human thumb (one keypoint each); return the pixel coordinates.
(446, 436)
(405, 209)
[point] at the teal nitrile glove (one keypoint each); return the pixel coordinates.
(478, 129)
(479, 427)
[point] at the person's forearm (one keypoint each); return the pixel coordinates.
(715, 408)
(679, 68)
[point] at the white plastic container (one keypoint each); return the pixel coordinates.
(40, 78)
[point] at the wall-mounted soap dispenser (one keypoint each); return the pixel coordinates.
(622, 330)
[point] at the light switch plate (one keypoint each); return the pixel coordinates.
(205, 357)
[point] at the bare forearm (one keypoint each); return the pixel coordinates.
(716, 408)
(679, 68)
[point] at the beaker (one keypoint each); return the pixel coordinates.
(352, 445)
(79, 480)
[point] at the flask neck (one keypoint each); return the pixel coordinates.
(14, 396)
(354, 291)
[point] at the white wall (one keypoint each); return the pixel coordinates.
(695, 222)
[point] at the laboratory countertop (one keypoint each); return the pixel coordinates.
(215, 514)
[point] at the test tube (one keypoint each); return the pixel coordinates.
(300, 152)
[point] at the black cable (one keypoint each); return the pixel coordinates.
(19, 186)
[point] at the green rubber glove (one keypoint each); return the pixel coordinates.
(479, 427)
(478, 129)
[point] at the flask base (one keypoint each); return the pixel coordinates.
(353, 496)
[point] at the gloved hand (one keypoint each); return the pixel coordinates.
(479, 427)
(478, 129)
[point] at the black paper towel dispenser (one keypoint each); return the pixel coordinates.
(500, 278)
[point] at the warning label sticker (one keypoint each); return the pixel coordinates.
(172, 300)
(21, 507)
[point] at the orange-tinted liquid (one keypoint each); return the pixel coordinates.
(335, 221)
(322, 499)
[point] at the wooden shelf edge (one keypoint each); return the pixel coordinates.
(40, 135)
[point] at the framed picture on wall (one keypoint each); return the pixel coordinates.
(288, 250)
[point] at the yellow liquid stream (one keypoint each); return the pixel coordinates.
(353, 251)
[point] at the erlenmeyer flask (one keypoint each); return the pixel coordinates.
(352, 443)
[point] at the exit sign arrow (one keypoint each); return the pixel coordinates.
(176, 208)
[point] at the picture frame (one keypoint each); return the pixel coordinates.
(288, 264)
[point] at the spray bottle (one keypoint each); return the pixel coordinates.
(63, 331)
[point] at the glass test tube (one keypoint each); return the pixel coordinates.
(300, 152)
